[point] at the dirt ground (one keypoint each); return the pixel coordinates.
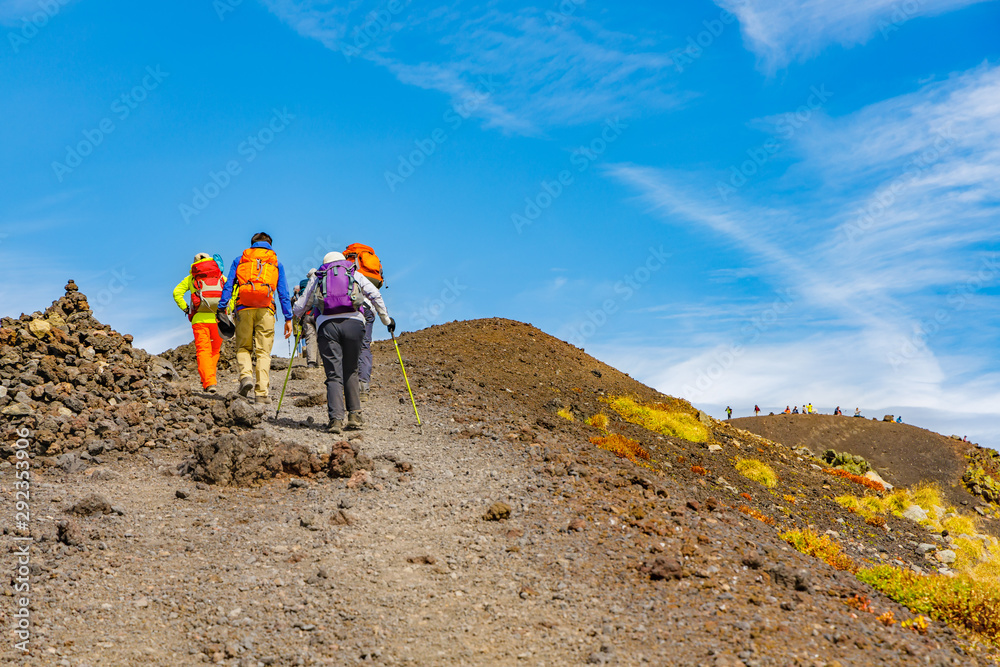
(403, 567)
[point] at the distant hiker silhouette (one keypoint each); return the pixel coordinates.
(729, 412)
(756, 410)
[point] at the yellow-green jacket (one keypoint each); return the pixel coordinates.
(183, 287)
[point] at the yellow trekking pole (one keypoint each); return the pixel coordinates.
(405, 379)
(291, 360)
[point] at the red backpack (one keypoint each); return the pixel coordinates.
(206, 287)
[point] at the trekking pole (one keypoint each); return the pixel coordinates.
(405, 379)
(288, 374)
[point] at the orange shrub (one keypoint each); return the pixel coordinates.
(745, 495)
(887, 619)
(749, 511)
(861, 603)
(622, 447)
(857, 479)
(699, 470)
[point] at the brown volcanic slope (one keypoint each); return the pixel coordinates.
(903, 454)
(400, 566)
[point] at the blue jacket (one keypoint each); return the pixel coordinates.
(227, 292)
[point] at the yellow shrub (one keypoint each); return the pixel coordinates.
(968, 551)
(599, 421)
(897, 501)
(566, 414)
(872, 505)
(926, 496)
(850, 503)
(758, 471)
(960, 600)
(660, 418)
(811, 544)
(960, 525)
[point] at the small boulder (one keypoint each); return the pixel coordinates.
(946, 556)
(92, 504)
(915, 513)
(70, 534)
(498, 511)
(664, 567)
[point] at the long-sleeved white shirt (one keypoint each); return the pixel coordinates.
(372, 296)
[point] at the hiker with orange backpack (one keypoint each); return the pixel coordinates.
(337, 291)
(256, 278)
(368, 265)
(205, 283)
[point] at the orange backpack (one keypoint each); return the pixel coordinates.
(257, 278)
(367, 262)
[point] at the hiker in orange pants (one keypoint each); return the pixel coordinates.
(204, 282)
(207, 345)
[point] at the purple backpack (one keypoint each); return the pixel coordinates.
(339, 292)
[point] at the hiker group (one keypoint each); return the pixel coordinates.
(335, 308)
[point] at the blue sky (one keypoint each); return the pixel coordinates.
(736, 201)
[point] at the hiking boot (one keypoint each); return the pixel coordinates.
(246, 386)
(263, 400)
(212, 389)
(335, 426)
(354, 421)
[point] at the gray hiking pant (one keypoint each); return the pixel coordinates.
(309, 343)
(366, 361)
(340, 347)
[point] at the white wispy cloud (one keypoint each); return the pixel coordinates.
(781, 31)
(525, 72)
(899, 251)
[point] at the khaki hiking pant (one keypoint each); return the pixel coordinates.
(255, 338)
